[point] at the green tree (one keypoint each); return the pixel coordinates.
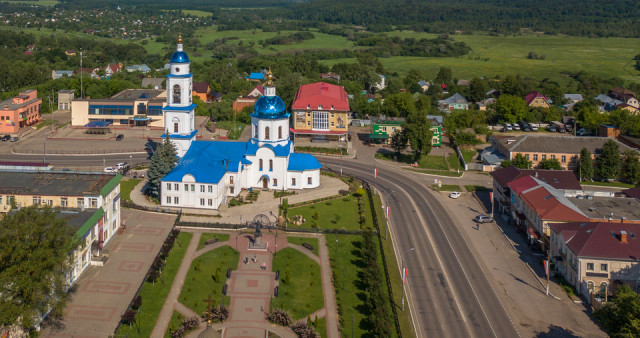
(585, 167)
(34, 265)
(631, 167)
(511, 108)
(506, 163)
(444, 76)
(521, 162)
(608, 163)
(477, 89)
(550, 164)
(418, 133)
(399, 141)
(621, 317)
(163, 161)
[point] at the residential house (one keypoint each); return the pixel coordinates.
(65, 98)
(536, 148)
(112, 69)
(537, 100)
(424, 85)
(20, 111)
(330, 76)
(87, 71)
(382, 83)
(91, 204)
(482, 105)
(383, 129)
(256, 92)
(240, 103)
(202, 90)
(495, 93)
(57, 74)
(215, 96)
(608, 103)
(320, 112)
(463, 82)
(596, 257)
(138, 68)
(625, 95)
(629, 108)
(573, 98)
(152, 83)
(454, 102)
(259, 76)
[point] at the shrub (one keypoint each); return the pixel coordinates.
(303, 330)
(129, 317)
(280, 317)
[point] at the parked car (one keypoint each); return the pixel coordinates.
(122, 165)
(13, 139)
(516, 126)
(110, 170)
(533, 127)
(582, 132)
(552, 129)
(508, 126)
(483, 219)
(455, 194)
(119, 137)
(6, 138)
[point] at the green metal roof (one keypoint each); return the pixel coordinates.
(89, 223)
(104, 191)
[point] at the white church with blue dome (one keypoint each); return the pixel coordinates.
(209, 172)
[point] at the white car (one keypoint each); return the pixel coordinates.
(122, 165)
(455, 194)
(110, 170)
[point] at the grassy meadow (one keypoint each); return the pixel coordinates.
(48, 3)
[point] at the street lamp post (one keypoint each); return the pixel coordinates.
(340, 160)
(404, 274)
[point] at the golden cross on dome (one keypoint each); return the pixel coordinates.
(180, 37)
(270, 78)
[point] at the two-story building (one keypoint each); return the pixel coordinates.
(320, 113)
(130, 107)
(597, 257)
(453, 102)
(89, 202)
(537, 100)
(383, 130)
(536, 148)
(20, 111)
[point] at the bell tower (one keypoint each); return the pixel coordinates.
(270, 120)
(179, 112)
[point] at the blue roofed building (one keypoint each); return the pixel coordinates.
(210, 172)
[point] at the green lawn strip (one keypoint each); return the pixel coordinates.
(476, 188)
(434, 162)
(435, 172)
(300, 289)
(309, 240)
(609, 184)
(176, 321)
(234, 134)
(404, 317)
(45, 123)
(153, 296)
(200, 283)
(469, 155)
(321, 326)
(126, 186)
(210, 235)
(454, 163)
(346, 208)
(321, 150)
(446, 187)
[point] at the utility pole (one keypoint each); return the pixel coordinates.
(404, 275)
(548, 267)
(340, 160)
(81, 88)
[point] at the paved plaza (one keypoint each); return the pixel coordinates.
(250, 288)
(103, 293)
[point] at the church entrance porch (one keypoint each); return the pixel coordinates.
(265, 183)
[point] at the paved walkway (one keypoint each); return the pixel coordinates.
(250, 288)
(266, 203)
(103, 293)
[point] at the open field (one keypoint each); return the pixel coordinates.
(48, 3)
(194, 12)
(49, 31)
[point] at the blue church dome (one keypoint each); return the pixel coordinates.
(269, 106)
(179, 57)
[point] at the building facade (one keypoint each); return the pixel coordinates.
(320, 112)
(383, 130)
(65, 98)
(20, 111)
(130, 107)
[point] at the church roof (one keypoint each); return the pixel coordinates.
(279, 150)
(179, 57)
(269, 107)
(302, 162)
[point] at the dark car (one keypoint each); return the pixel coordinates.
(14, 139)
(6, 137)
(119, 137)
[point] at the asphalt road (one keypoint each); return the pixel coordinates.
(449, 295)
(94, 162)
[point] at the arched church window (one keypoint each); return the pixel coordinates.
(266, 133)
(176, 94)
(270, 165)
(176, 123)
(280, 132)
(260, 164)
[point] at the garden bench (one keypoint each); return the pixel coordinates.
(308, 246)
(211, 241)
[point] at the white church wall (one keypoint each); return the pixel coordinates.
(190, 194)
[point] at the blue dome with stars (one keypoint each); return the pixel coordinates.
(179, 57)
(269, 107)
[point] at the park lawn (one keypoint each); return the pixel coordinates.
(309, 240)
(211, 235)
(174, 323)
(492, 55)
(321, 326)
(199, 284)
(454, 163)
(300, 288)
(126, 186)
(197, 13)
(433, 162)
(476, 188)
(345, 207)
(154, 295)
(609, 184)
(446, 187)
(45, 123)
(469, 155)
(234, 134)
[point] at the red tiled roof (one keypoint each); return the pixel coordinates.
(521, 184)
(548, 207)
(200, 87)
(600, 239)
(559, 179)
(533, 95)
(633, 192)
(321, 94)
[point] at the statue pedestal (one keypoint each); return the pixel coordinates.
(258, 244)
